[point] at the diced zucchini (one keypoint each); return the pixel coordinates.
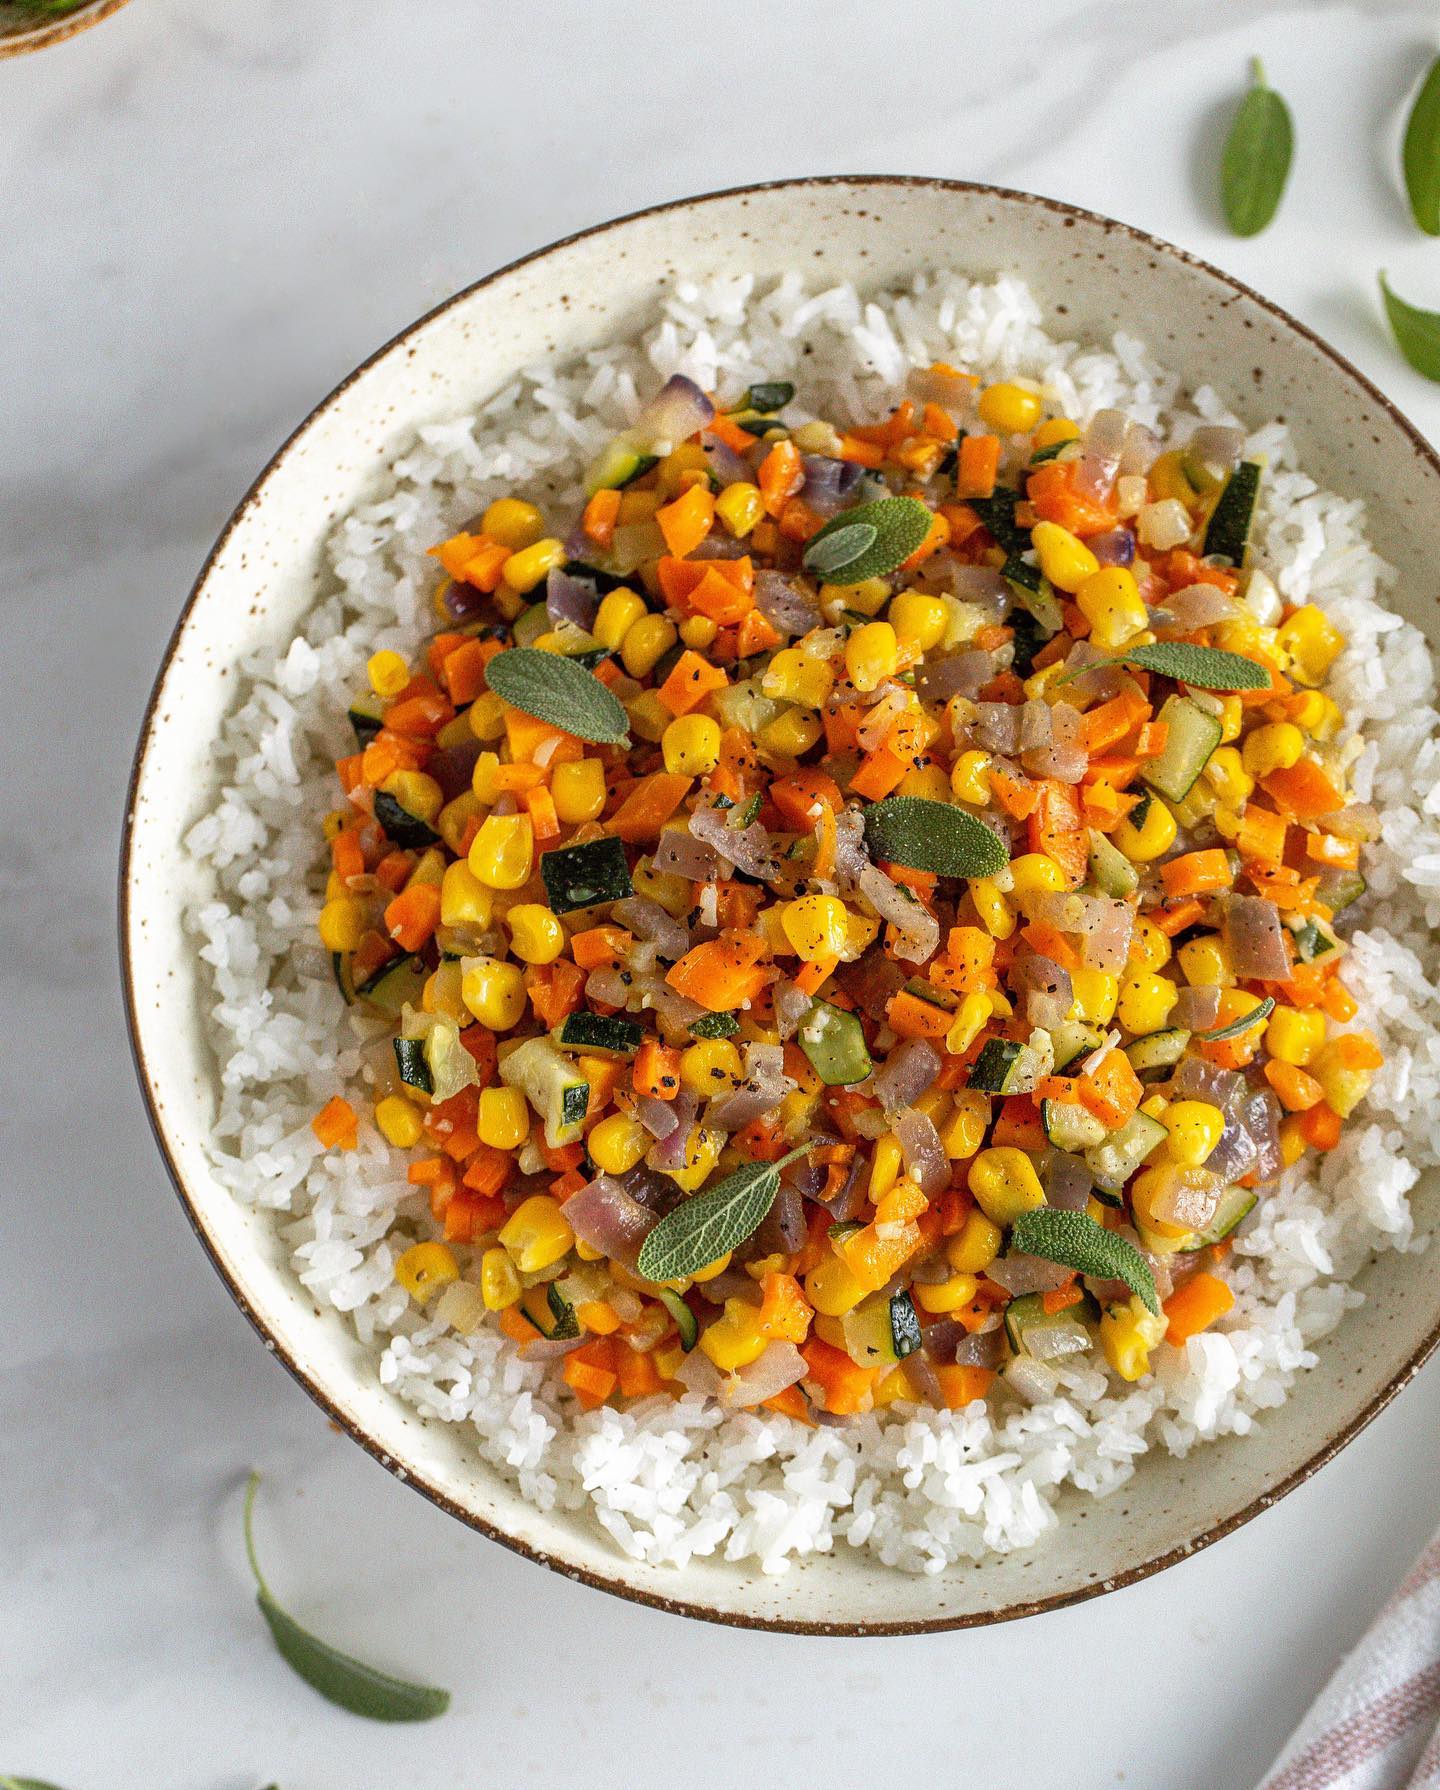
(1193, 734)
(395, 985)
(344, 981)
(1228, 530)
(869, 1331)
(410, 1061)
(768, 396)
(1235, 1204)
(1054, 1333)
(1156, 1054)
(552, 1084)
(585, 875)
(600, 1032)
(563, 1312)
(367, 716)
(997, 512)
(530, 624)
(405, 828)
(1068, 1126)
(746, 706)
(1338, 888)
(995, 1069)
(1111, 871)
(685, 1320)
(1313, 939)
(905, 1335)
(1113, 1162)
(937, 997)
(1034, 594)
(714, 1025)
(1071, 1040)
(619, 464)
(834, 1043)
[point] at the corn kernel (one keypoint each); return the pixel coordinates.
(1035, 873)
(1064, 559)
(791, 734)
(1205, 963)
(691, 745)
(1005, 1184)
(503, 851)
(919, 620)
(740, 506)
(1145, 1001)
(1294, 1034)
(388, 673)
(886, 1162)
(416, 793)
(1274, 747)
(1151, 838)
(972, 1013)
(832, 1288)
(1096, 994)
(793, 676)
(493, 991)
(735, 1339)
(975, 1245)
(1311, 642)
(927, 781)
(996, 914)
(616, 1144)
(343, 923)
(816, 926)
(1009, 409)
(424, 1268)
(464, 899)
(970, 778)
(619, 610)
(513, 523)
(1057, 430)
(701, 1153)
(872, 654)
(868, 598)
(698, 631)
(1195, 1127)
(537, 1233)
(946, 1295)
(1110, 601)
(711, 1066)
(525, 569)
(646, 642)
(499, 1283)
(398, 1122)
(1128, 1332)
(504, 1118)
(1227, 776)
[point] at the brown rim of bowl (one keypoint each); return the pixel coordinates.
(1133, 1575)
(45, 32)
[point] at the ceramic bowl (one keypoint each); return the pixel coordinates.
(21, 30)
(1091, 275)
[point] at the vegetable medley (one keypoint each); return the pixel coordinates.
(855, 915)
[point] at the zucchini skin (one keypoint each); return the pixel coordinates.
(585, 875)
(992, 1069)
(1227, 533)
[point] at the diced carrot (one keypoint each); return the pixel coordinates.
(1055, 829)
(469, 1215)
(463, 672)
(411, 918)
(1297, 1092)
(961, 1385)
(637, 1373)
(1112, 1090)
(1196, 873)
(648, 805)
(800, 795)
(600, 516)
(725, 429)
(756, 635)
(1061, 1298)
(1236, 1051)
(540, 805)
(721, 973)
(337, 1124)
(781, 475)
(912, 1017)
(515, 1325)
(979, 463)
(724, 599)
(1016, 794)
(554, 990)
(590, 1374)
(879, 773)
(797, 521)
(1338, 1001)
(1173, 917)
(481, 1045)
(488, 1170)
(1321, 1127)
(1261, 835)
(562, 1158)
(1054, 498)
(1305, 790)
(1018, 1126)
(686, 522)
(1111, 721)
(1358, 1050)
(451, 1124)
(861, 453)
(844, 1387)
(811, 977)
(526, 735)
(600, 945)
(605, 1075)
(393, 870)
(421, 714)
(691, 680)
(516, 779)
(1151, 740)
(656, 1070)
(1326, 848)
(1195, 1306)
(791, 1403)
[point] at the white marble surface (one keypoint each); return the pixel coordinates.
(210, 213)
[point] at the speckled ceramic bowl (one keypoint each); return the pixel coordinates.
(1092, 275)
(21, 30)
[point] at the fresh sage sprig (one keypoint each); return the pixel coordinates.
(933, 836)
(25, 1784)
(1420, 153)
(1256, 158)
(555, 689)
(1246, 1022)
(1417, 332)
(338, 1678)
(1207, 667)
(1076, 1241)
(702, 1228)
(868, 540)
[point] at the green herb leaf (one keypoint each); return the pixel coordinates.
(1417, 332)
(926, 835)
(1256, 159)
(1420, 155)
(836, 551)
(1255, 1017)
(24, 1784)
(900, 524)
(706, 1225)
(339, 1678)
(1204, 666)
(555, 689)
(770, 395)
(1076, 1241)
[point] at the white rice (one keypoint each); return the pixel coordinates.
(670, 1480)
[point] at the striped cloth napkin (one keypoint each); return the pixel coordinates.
(1376, 1725)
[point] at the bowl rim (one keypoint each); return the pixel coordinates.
(45, 32)
(418, 1479)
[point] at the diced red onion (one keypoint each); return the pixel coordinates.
(1197, 1079)
(1195, 606)
(1034, 724)
(1255, 939)
(1235, 1153)
(982, 1349)
(1260, 1116)
(1196, 1009)
(851, 856)
(463, 600)
(719, 545)
(782, 1230)
(1186, 1197)
(907, 1073)
(648, 920)
(725, 463)
(963, 674)
(677, 411)
(1142, 445)
(932, 1271)
(669, 1152)
(1116, 547)
(760, 1092)
(1047, 988)
(608, 985)
(698, 1373)
(829, 484)
(750, 849)
(780, 1366)
(1068, 1182)
(941, 1339)
(854, 1191)
(548, 1348)
(657, 1116)
(680, 853)
(1104, 681)
(606, 1217)
(1105, 939)
(675, 1013)
(925, 1160)
(570, 599)
(791, 1006)
(805, 1174)
(786, 604)
(1357, 821)
(1217, 446)
(1104, 442)
(452, 767)
(1052, 1339)
(981, 585)
(949, 388)
(1020, 1274)
(1031, 1381)
(997, 727)
(917, 931)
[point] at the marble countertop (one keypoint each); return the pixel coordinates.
(211, 213)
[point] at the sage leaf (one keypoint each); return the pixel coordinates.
(1256, 158)
(832, 555)
(555, 689)
(1076, 1241)
(769, 396)
(1417, 332)
(703, 1227)
(1420, 153)
(933, 836)
(1246, 1022)
(25, 1784)
(901, 524)
(1207, 667)
(338, 1678)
